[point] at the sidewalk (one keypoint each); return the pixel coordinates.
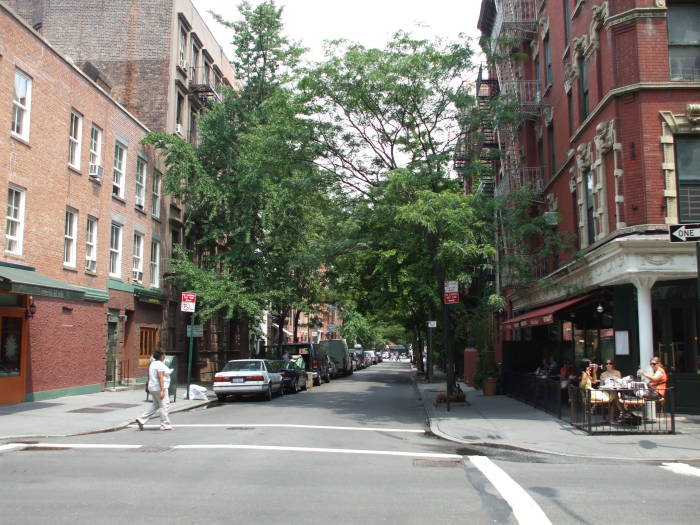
(500, 421)
(83, 414)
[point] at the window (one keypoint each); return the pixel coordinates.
(91, 244)
(21, 104)
(138, 257)
(155, 194)
(69, 237)
(684, 40)
(193, 126)
(688, 169)
(548, 62)
(590, 208)
(95, 148)
(119, 167)
(148, 341)
(178, 113)
(194, 60)
(14, 223)
(570, 111)
(140, 182)
(182, 48)
(583, 87)
(538, 78)
(207, 73)
(76, 129)
(155, 264)
(567, 20)
(115, 250)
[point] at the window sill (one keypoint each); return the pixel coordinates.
(75, 169)
(20, 139)
(71, 269)
(118, 199)
(157, 219)
(140, 210)
(91, 273)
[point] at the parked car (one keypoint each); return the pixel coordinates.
(359, 358)
(332, 370)
(337, 350)
(372, 356)
(293, 376)
(315, 358)
(368, 358)
(248, 377)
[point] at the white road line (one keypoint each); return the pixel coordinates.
(681, 468)
(9, 447)
(323, 450)
(310, 427)
(525, 509)
(81, 446)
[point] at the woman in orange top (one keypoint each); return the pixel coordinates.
(658, 378)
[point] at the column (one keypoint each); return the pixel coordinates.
(644, 284)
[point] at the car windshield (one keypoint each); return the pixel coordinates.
(243, 366)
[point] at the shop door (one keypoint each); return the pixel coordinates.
(112, 359)
(13, 356)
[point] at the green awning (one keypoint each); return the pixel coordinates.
(27, 281)
(146, 295)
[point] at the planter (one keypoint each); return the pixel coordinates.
(489, 386)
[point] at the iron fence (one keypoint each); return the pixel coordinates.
(540, 392)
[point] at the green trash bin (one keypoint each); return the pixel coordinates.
(170, 362)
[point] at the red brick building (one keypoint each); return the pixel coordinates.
(610, 141)
(80, 273)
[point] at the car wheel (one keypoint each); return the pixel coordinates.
(296, 385)
(221, 397)
(282, 390)
(268, 394)
(327, 379)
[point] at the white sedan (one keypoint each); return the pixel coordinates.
(248, 377)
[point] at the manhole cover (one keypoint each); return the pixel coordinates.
(91, 410)
(437, 463)
(118, 405)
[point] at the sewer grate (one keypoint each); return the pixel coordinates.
(91, 410)
(439, 463)
(118, 405)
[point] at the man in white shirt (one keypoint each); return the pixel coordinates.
(158, 383)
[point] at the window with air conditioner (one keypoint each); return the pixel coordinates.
(14, 220)
(75, 131)
(115, 250)
(688, 170)
(91, 244)
(684, 40)
(137, 257)
(21, 105)
(140, 182)
(70, 237)
(118, 172)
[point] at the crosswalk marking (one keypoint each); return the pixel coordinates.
(681, 468)
(280, 425)
(525, 509)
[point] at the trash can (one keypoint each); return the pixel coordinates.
(170, 362)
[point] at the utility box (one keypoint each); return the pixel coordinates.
(471, 355)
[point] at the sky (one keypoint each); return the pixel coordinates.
(369, 22)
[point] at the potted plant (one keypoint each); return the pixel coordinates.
(486, 374)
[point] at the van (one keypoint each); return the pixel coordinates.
(315, 359)
(337, 351)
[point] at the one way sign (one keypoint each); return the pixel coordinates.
(684, 232)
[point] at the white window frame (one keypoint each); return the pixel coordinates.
(21, 106)
(70, 237)
(137, 258)
(75, 131)
(91, 244)
(156, 193)
(140, 189)
(155, 264)
(182, 46)
(119, 170)
(95, 146)
(16, 198)
(116, 234)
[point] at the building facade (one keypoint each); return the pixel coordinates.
(162, 63)
(609, 141)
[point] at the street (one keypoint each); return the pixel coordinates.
(351, 451)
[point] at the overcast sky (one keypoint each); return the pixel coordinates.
(369, 22)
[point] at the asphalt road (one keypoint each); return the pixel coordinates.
(352, 451)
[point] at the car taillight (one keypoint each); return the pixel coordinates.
(286, 374)
(315, 363)
(255, 378)
(221, 379)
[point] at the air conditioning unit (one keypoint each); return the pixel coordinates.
(96, 171)
(91, 265)
(138, 276)
(178, 129)
(139, 205)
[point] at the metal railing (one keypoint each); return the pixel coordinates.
(515, 16)
(540, 392)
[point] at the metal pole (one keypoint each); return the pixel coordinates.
(696, 347)
(429, 360)
(189, 357)
(448, 356)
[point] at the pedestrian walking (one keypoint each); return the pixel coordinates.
(158, 383)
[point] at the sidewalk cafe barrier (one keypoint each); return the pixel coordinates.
(622, 411)
(540, 392)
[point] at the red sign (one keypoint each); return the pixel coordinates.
(189, 301)
(451, 297)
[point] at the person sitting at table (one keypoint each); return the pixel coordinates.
(610, 370)
(589, 377)
(658, 378)
(543, 369)
(566, 376)
(553, 366)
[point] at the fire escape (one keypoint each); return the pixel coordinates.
(201, 86)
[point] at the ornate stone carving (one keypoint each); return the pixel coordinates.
(579, 45)
(605, 136)
(572, 183)
(657, 260)
(548, 115)
(584, 157)
(660, 3)
(600, 13)
(692, 112)
(552, 202)
(569, 76)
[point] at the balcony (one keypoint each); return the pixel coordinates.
(515, 17)
(526, 93)
(516, 178)
(202, 87)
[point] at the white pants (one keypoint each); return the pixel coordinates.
(159, 406)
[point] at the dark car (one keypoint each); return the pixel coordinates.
(315, 359)
(293, 376)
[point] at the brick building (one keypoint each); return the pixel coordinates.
(610, 142)
(80, 274)
(162, 63)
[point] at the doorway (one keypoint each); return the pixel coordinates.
(112, 357)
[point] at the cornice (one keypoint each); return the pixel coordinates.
(636, 14)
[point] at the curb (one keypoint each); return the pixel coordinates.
(433, 425)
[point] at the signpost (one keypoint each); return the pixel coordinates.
(188, 304)
(450, 296)
(429, 360)
(690, 233)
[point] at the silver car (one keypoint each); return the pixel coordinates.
(248, 377)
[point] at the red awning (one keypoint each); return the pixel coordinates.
(544, 315)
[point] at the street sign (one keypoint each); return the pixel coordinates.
(451, 286)
(684, 232)
(451, 292)
(196, 330)
(432, 324)
(188, 302)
